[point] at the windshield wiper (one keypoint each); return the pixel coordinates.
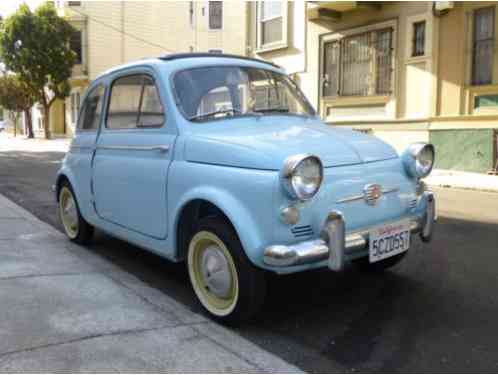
(233, 111)
(275, 109)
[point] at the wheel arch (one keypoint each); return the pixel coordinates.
(61, 178)
(223, 204)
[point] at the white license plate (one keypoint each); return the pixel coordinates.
(388, 240)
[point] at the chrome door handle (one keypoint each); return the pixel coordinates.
(162, 149)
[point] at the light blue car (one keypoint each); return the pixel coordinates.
(221, 161)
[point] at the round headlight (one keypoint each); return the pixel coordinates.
(419, 159)
(302, 176)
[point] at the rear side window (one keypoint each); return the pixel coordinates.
(91, 111)
(134, 102)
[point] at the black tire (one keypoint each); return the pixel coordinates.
(380, 266)
(251, 280)
(84, 232)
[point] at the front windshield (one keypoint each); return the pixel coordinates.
(224, 91)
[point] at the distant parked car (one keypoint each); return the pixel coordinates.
(221, 161)
(2, 126)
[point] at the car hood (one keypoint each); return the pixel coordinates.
(265, 143)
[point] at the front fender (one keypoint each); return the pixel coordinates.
(243, 195)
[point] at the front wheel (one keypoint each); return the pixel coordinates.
(227, 285)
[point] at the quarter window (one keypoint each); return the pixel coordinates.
(134, 103)
(151, 113)
(483, 46)
(215, 15)
(91, 111)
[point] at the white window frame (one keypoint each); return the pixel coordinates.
(209, 15)
(283, 43)
(359, 30)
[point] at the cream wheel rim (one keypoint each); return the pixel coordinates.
(213, 274)
(68, 212)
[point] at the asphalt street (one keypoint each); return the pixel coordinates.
(435, 312)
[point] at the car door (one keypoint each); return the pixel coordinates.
(132, 157)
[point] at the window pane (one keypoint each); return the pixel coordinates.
(151, 113)
(418, 45)
(201, 91)
(92, 109)
(215, 14)
(384, 58)
(483, 48)
(356, 61)
(215, 100)
(271, 9)
(272, 30)
(331, 68)
(125, 99)
(76, 45)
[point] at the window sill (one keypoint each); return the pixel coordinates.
(416, 59)
(271, 47)
(349, 101)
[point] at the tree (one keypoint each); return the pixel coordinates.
(35, 46)
(17, 98)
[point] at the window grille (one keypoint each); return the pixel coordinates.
(359, 65)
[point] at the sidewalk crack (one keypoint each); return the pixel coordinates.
(5, 355)
(3, 278)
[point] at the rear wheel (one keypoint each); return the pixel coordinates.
(380, 266)
(75, 226)
(227, 285)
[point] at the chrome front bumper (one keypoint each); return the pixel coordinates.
(334, 243)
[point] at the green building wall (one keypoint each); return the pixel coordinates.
(469, 150)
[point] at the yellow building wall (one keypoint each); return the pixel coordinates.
(120, 32)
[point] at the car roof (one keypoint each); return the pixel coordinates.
(192, 60)
(200, 55)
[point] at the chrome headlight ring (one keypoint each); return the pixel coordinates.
(298, 184)
(418, 159)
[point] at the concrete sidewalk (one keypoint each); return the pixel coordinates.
(462, 180)
(65, 309)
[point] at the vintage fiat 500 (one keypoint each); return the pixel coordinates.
(221, 161)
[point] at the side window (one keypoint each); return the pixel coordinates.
(134, 102)
(151, 110)
(124, 102)
(92, 109)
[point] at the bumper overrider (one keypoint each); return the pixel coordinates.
(334, 243)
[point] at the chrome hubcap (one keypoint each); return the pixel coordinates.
(69, 211)
(215, 271)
